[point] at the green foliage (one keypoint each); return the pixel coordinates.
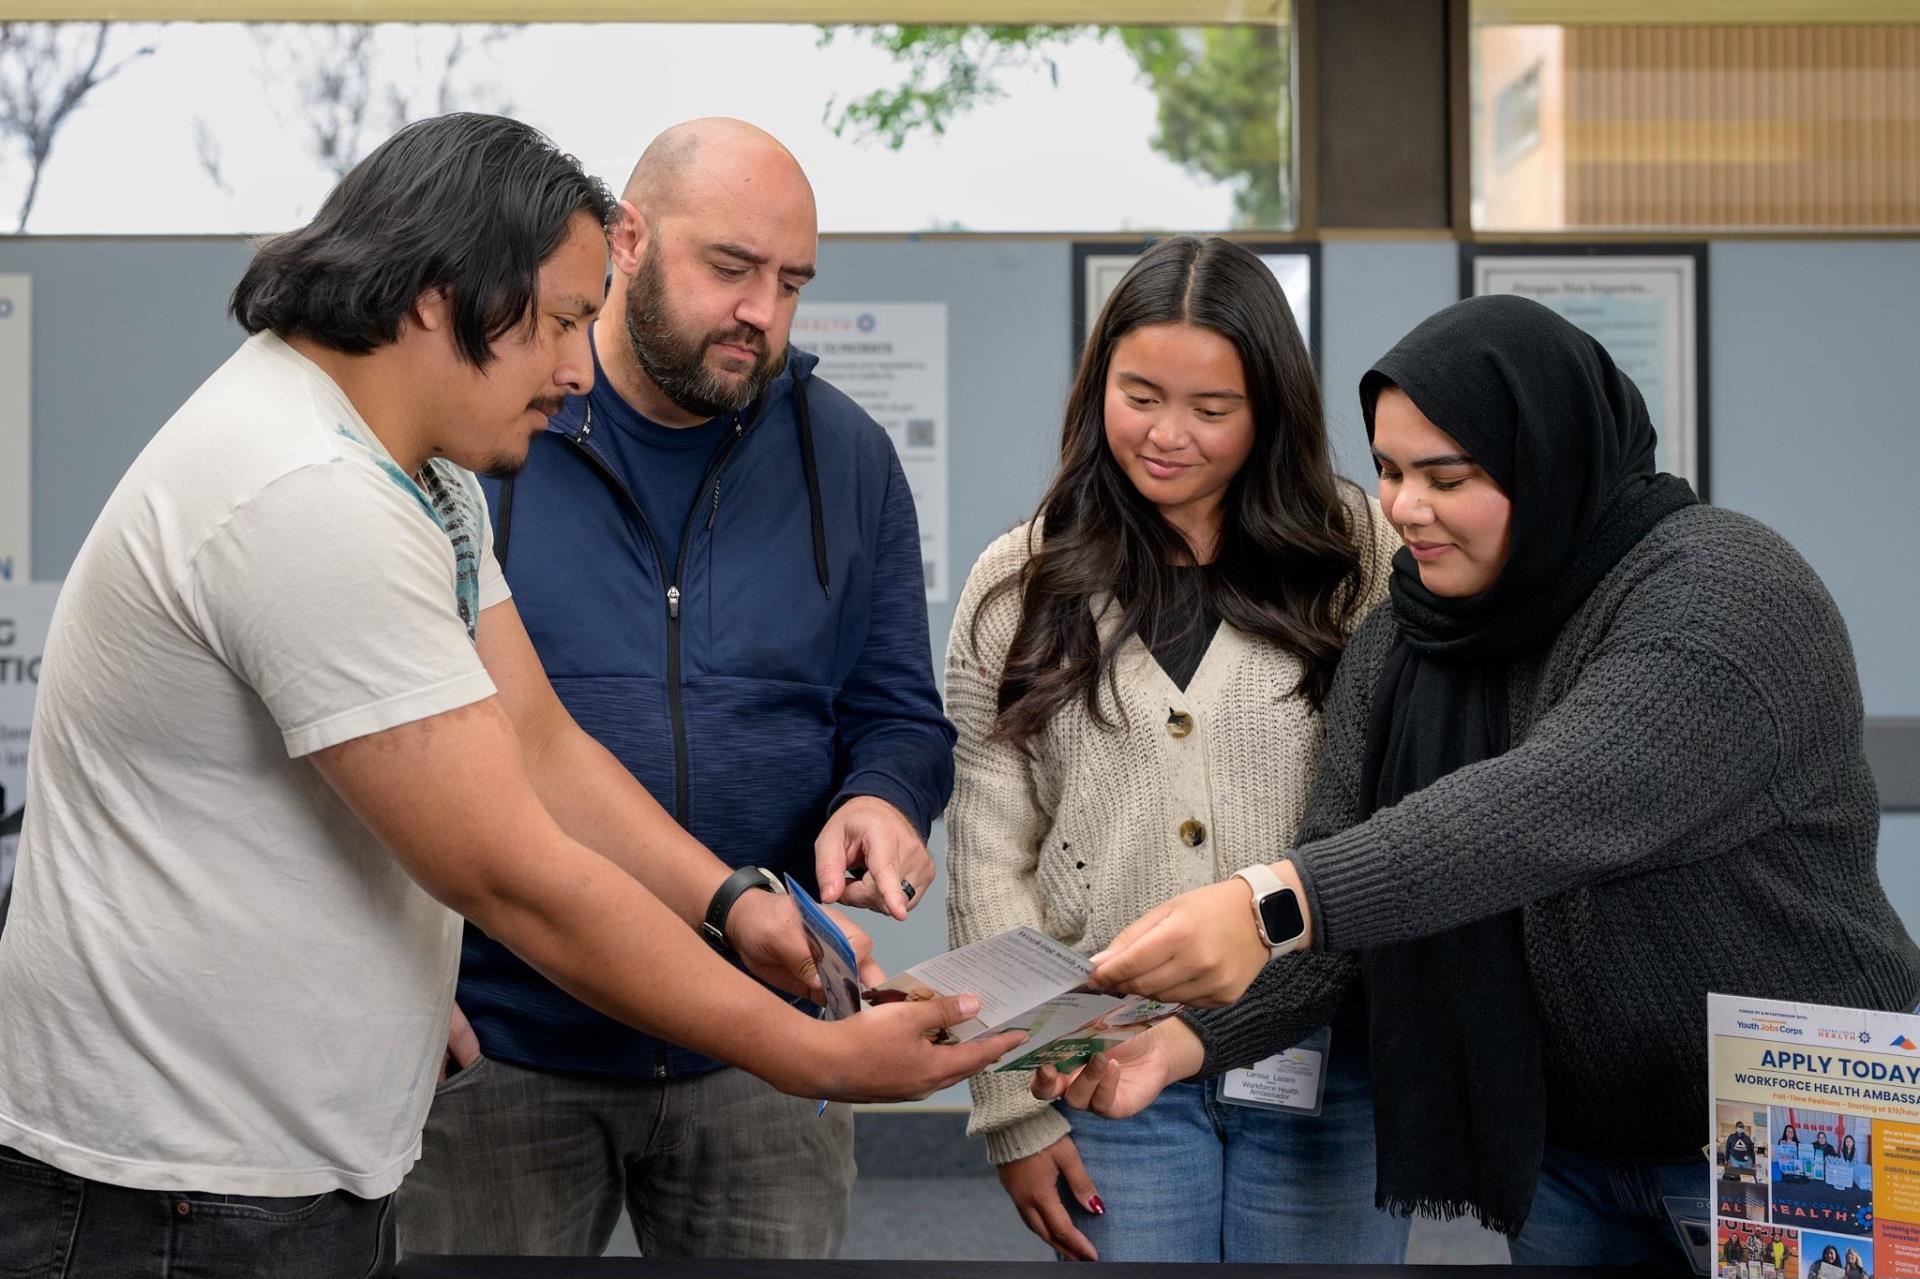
(950, 70)
(1225, 111)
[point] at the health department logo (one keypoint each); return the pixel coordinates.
(866, 323)
(1845, 1036)
(1903, 1043)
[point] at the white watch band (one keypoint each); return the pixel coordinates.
(1261, 879)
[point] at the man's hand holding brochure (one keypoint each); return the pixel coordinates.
(1021, 980)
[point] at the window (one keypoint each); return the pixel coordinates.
(1708, 127)
(226, 127)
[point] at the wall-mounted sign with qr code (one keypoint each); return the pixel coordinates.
(891, 359)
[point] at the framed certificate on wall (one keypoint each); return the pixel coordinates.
(1647, 304)
(1097, 268)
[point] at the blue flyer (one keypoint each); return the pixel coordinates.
(832, 954)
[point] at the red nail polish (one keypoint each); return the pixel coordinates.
(1099, 1209)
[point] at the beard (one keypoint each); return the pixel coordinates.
(504, 468)
(676, 361)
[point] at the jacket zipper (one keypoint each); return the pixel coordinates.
(681, 801)
(676, 713)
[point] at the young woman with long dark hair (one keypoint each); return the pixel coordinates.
(1136, 675)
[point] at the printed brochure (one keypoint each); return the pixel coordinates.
(1815, 1141)
(832, 954)
(1025, 980)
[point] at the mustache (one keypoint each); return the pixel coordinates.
(549, 404)
(745, 335)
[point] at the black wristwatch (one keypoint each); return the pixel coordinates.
(747, 878)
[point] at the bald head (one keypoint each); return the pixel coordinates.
(718, 157)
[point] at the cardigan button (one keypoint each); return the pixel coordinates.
(1179, 723)
(1192, 833)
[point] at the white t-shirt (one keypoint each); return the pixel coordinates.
(214, 977)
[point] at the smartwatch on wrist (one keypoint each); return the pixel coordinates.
(1277, 913)
(746, 879)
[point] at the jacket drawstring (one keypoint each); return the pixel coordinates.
(805, 418)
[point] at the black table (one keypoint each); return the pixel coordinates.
(643, 1268)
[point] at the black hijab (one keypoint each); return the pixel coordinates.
(1459, 1092)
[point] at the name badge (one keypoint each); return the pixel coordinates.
(1294, 1081)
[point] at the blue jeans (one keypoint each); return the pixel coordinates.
(1192, 1178)
(1595, 1212)
(54, 1225)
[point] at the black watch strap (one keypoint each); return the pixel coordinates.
(747, 878)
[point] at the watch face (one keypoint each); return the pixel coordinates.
(1281, 918)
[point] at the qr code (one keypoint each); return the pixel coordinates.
(919, 432)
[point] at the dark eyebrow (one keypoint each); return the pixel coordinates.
(578, 304)
(804, 269)
(1425, 463)
(1151, 385)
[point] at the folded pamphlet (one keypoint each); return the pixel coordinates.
(1025, 980)
(833, 955)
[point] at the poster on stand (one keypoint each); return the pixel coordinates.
(16, 428)
(1815, 1141)
(25, 611)
(1646, 305)
(890, 358)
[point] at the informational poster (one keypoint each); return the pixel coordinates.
(1815, 1148)
(1098, 268)
(1644, 307)
(25, 611)
(16, 427)
(890, 358)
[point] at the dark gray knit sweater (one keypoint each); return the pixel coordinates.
(1686, 808)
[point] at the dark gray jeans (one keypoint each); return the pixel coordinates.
(54, 1225)
(521, 1162)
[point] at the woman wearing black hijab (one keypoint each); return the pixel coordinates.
(1600, 739)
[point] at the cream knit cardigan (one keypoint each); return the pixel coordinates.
(1085, 835)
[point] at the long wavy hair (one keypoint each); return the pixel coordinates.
(1285, 568)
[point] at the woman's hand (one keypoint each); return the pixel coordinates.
(1033, 1184)
(1125, 1081)
(1201, 948)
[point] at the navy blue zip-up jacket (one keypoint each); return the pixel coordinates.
(780, 667)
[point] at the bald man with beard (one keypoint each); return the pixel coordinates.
(716, 556)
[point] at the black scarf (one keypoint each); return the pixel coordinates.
(1459, 1092)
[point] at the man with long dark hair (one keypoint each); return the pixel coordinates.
(288, 715)
(716, 555)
